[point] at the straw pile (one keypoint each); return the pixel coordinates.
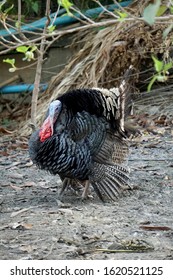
(106, 53)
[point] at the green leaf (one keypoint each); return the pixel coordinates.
(158, 65)
(167, 30)
(150, 12)
(10, 61)
(22, 49)
(121, 15)
(67, 14)
(17, 24)
(162, 9)
(151, 83)
(51, 28)
(168, 66)
(33, 48)
(6, 11)
(66, 4)
(35, 7)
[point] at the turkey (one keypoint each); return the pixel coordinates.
(82, 139)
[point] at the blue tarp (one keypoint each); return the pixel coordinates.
(38, 25)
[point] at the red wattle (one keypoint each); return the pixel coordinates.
(45, 131)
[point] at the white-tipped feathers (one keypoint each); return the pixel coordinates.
(88, 143)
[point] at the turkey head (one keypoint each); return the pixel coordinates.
(47, 128)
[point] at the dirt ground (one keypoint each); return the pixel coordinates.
(34, 224)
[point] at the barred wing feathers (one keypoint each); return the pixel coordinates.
(89, 142)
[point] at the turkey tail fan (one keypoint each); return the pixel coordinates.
(116, 102)
(125, 89)
(110, 180)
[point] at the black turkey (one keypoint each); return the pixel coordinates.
(82, 140)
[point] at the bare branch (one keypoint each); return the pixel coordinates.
(8, 42)
(57, 34)
(122, 9)
(106, 10)
(39, 69)
(83, 16)
(22, 36)
(56, 14)
(19, 15)
(11, 34)
(51, 42)
(28, 43)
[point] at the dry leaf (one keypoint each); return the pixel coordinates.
(43, 185)
(5, 131)
(68, 211)
(13, 164)
(27, 248)
(21, 226)
(15, 187)
(23, 146)
(28, 164)
(15, 175)
(27, 226)
(155, 228)
(13, 214)
(15, 225)
(28, 184)
(4, 153)
(4, 227)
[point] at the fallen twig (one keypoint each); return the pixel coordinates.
(14, 214)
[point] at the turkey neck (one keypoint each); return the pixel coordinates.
(63, 121)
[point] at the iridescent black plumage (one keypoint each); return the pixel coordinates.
(88, 142)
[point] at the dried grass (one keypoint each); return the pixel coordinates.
(105, 56)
